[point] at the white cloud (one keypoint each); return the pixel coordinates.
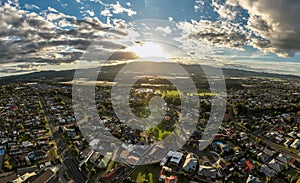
(31, 6)
(166, 30)
(220, 33)
(128, 4)
(90, 13)
(119, 9)
(52, 10)
(106, 13)
(199, 5)
(226, 11)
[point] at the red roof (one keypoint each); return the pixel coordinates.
(162, 171)
(171, 179)
(247, 166)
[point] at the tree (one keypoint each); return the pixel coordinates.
(268, 179)
(7, 165)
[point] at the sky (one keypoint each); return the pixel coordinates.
(258, 35)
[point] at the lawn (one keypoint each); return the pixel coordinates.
(149, 173)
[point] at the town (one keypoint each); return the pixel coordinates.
(259, 140)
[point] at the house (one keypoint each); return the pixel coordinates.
(162, 175)
(27, 169)
(86, 153)
(124, 154)
(276, 165)
(94, 143)
(113, 175)
(44, 177)
(248, 166)
(40, 154)
(171, 179)
(95, 157)
(268, 152)
(132, 160)
(267, 171)
(104, 162)
(190, 163)
(24, 177)
(252, 179)
(263, 157)
(288, 142)
(296, 144)
(175, 157)
(283, 158)
(295, 164)
(207, 171)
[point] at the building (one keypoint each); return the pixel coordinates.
(252, 179)
(296, 144)
(105, 160)
(171, 179)
(113, 175)
(207, 171)
(263, 157)
(175, 157)
(132, 160)
(190, 163)
(86, 153)
(283, 158)
(248, 166)
(24, 177)
(276, 165)
(267, 171)
(45, 177)
(268, 152)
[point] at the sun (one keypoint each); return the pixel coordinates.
(148, 49)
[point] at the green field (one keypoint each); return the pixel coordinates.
(146, 173)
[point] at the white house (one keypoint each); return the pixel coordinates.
(296, 144)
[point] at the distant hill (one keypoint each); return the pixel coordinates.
(68, 75)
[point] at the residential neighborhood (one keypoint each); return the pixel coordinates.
(259, 139)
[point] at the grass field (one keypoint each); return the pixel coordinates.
(147, 173)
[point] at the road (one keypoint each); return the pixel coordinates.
(74, 172)
(69, 164)
(272, 145)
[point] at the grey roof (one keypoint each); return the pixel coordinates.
(207, 171)
(283, 158)
(267, 171)
(276, 165)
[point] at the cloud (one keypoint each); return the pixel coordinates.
(90, 13)
(226, 11)
(165, 30)
(219, 33)
(119, 9)
(41, 39)
(30, 6)
(271, 26)
(274, 21)
(106, 13)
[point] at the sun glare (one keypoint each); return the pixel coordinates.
(148, 49)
